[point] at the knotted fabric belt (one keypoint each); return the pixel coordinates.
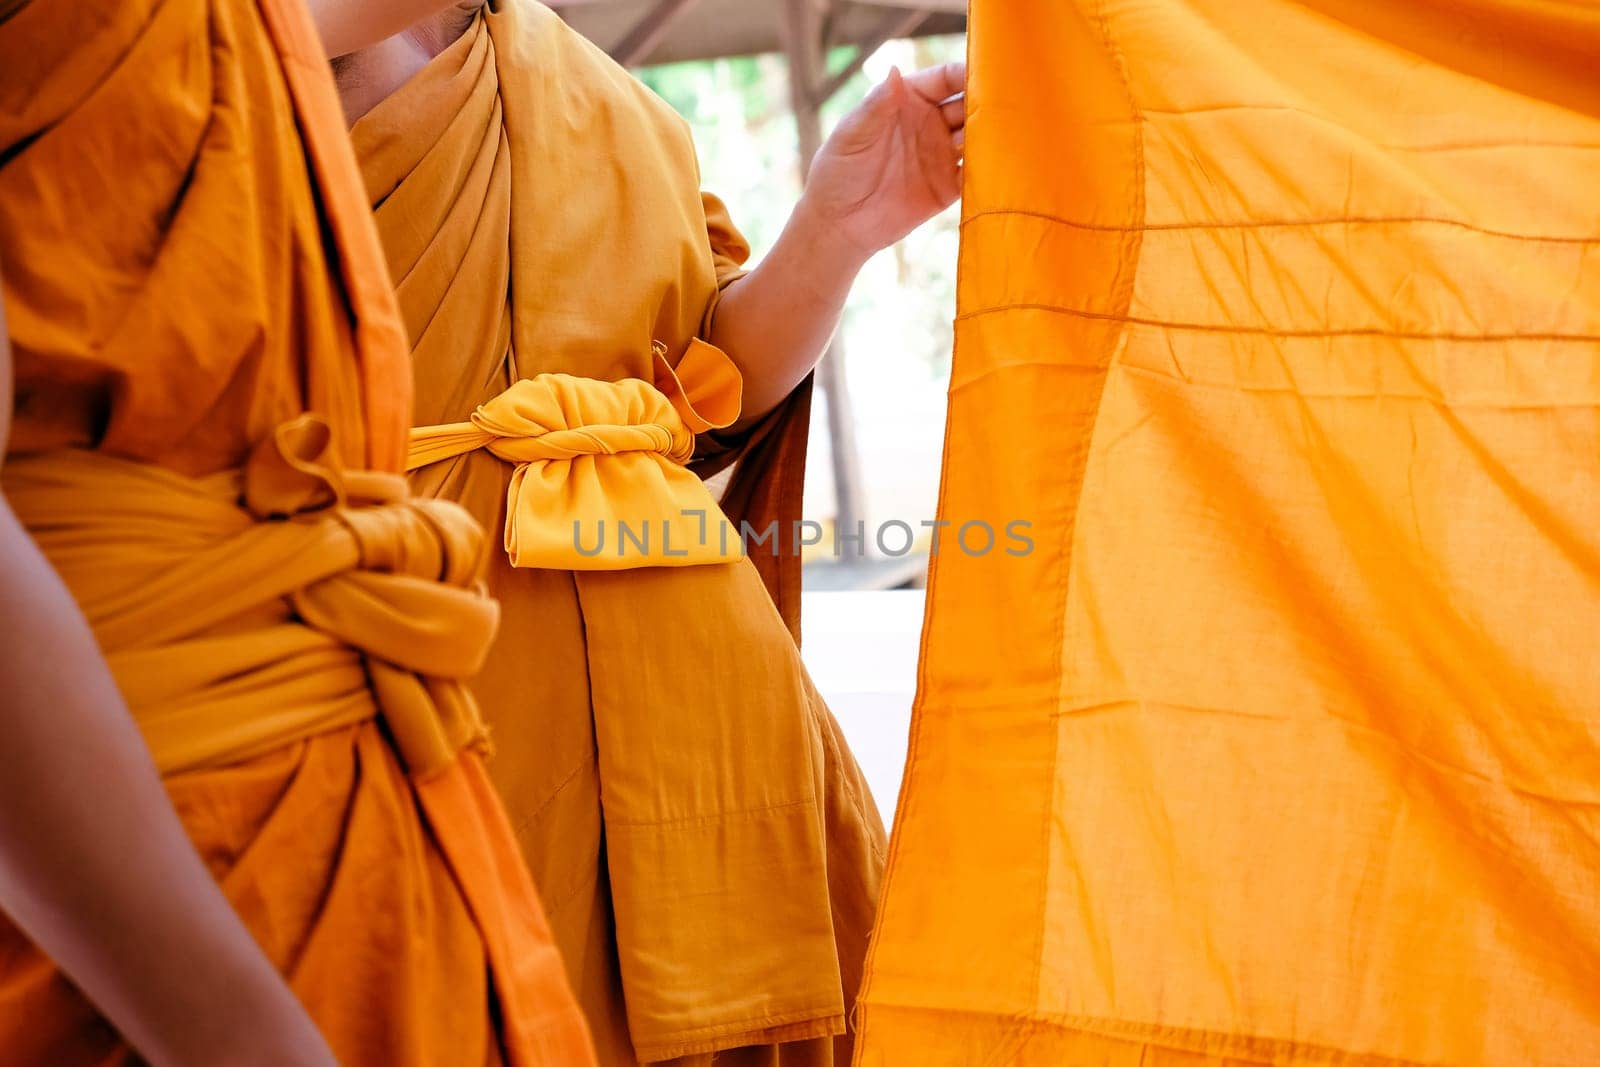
(246, 610)
(600, 481)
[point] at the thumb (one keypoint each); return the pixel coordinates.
(865, 124)
(887, 94)
(894, 85)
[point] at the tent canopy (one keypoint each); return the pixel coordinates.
(665, 31)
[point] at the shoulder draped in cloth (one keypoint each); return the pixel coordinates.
(212, 409)
(703, 840)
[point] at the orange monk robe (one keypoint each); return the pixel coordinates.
(207, 436)
(1281, 323)
(704, 842)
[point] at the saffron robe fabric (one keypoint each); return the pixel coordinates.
(207, 442)
(704, 842)
(1280, 322)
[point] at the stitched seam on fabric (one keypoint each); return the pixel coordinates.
(1176, 1038)
(905, 802)
(1440, 146)
(765, 1022)
(1266, 224)
(1134, 703)
(1123, 287)
(589, 882)
(1389, 397)
(741, 815)
(1212, 1041)
(841, 758)
(1255, 331)
(783, 1034)
(589, 760)
(1341, 721)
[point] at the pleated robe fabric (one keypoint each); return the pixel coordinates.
(206, 343)
(705, 845)
(1280, 322)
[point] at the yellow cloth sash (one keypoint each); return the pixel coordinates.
(245, 610)
(600, 480)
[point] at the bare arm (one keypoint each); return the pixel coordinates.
(94, 865)
(892, 164)
(350, 25)
(776, 321)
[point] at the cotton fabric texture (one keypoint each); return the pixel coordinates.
(1281, 323)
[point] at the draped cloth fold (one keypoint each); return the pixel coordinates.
(705, 844)
(211, 407)
(1282, 745)
(376, 609)
(591, 456)
(285, 603)
(252, 611)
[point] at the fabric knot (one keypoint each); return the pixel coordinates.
(231, 618)
(562, 417)
(600, 481)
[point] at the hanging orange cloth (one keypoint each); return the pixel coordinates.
(1280, 323)
(212, 405)
(705, 843)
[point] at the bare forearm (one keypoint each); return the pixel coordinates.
(775, 323)
(94, 865)
(350, 25)
(889, 166)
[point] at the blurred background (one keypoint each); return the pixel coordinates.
(762, 82)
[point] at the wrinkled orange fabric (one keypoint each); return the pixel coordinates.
(705, 843)
(1281, 324)
(211, 416)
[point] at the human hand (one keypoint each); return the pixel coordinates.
(892, 163)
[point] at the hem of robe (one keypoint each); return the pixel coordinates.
(932, 1036)
(793, 1026)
